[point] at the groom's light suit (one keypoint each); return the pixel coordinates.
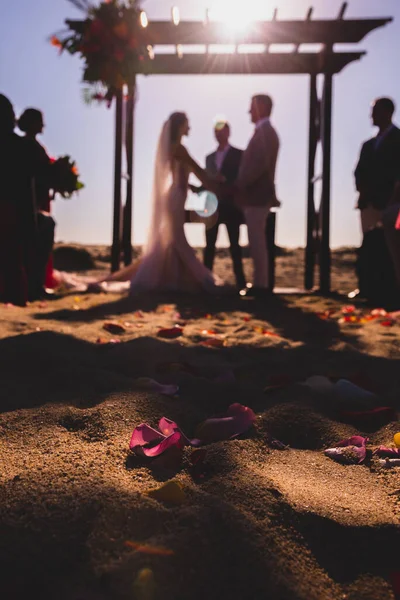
(256, 193)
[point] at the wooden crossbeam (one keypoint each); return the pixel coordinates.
(249, 64)
(349, 31)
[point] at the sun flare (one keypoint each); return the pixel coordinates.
(235, 14)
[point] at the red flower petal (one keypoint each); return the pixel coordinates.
(170, 334)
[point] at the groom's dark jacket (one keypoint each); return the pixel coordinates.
(378, 170)
(230, 170)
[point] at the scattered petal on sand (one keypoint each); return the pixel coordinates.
(104, 341)
(213, 343)
(114, 328)
(378, 312)
(326, 314)
(139, 314)
(387, 323)
(149, 442)
(170, 334)
(238, 419)
(384, 452)
(165, 308)
(266, 332)
(146, 441)
(145, 383)
(149, 549)
(349, 310)
(350, 452)
(171, 492)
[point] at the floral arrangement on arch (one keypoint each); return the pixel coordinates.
(109, 42)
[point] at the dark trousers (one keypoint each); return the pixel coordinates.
(40, 250)
(233, 227)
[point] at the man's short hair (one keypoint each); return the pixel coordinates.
(265, 101)
(387, 104)
(221, 124)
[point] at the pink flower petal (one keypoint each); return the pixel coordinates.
(239, 419)
(349, 455)
(170, 334)
(174, 440)
(384, 452)
(144, 434)
(167, 427)
(351, 451)
(356, 440)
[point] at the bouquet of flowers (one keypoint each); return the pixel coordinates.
(64, 177)
(109, 42)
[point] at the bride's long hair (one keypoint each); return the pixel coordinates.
(161, 219)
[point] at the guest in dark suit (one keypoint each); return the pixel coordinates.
(225, 161)
(377, 175)
(17, 215)
(378, 169)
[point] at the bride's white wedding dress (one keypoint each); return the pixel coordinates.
(168, 263)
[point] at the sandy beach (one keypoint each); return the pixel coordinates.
(253, 521)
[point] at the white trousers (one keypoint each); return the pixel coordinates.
(256, 221)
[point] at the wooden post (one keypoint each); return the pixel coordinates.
(127, 218)
(311, 216)
(270, 233)
(325, 255)
(116, 245)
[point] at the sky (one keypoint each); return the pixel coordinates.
(32, 74)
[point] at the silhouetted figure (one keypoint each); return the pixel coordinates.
(377, 174)
(378, 169)
(17, 216)
(31, 123)
(225, 161)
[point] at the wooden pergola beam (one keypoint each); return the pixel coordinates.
(349, 31)
(249, 64)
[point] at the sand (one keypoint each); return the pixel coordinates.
(257, 523)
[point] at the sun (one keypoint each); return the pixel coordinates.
(236, 14)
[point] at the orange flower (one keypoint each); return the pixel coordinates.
(121, 30)
(54, 41)
(75, 171)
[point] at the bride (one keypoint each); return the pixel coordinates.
(168, 263)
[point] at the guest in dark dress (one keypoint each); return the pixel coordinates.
(32, 124)
(17, 215)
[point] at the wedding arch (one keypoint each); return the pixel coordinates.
(116, 55)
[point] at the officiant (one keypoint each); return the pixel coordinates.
(225, 161)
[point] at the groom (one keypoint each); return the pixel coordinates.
(255, 190)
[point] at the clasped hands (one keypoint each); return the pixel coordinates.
(218, 185)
